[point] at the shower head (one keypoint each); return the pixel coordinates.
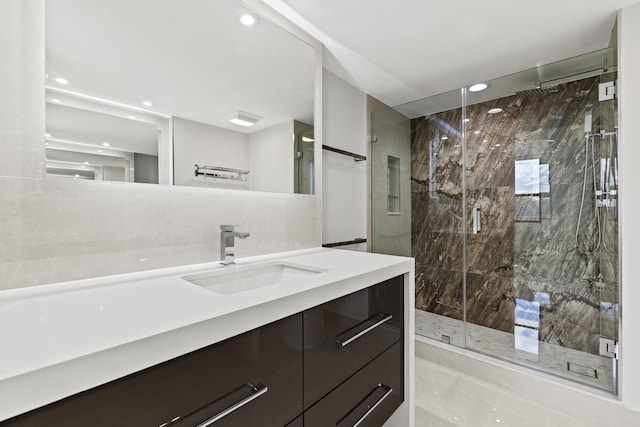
(539, 90)
(588, 118)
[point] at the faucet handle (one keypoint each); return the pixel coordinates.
(228, 227)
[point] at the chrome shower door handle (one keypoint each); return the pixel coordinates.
(477, 219)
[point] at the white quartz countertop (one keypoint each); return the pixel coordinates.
(64, 338)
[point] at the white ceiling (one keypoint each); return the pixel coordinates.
(403, 50)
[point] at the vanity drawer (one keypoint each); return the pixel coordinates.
(298, 422)
(367, 399)
(259, 373)
(343, 335)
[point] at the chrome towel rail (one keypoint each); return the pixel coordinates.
(221, 173)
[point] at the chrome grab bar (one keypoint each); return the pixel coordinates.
(381, 318)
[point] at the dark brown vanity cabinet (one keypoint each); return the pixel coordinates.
(254, 379)
(340, 363)
(344, 335)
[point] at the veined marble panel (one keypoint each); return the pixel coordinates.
(439, 291)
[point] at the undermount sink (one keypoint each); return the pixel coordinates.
(240, 278)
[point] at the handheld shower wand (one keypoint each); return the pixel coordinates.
(589, 140)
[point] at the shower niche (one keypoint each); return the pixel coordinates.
(514, 217)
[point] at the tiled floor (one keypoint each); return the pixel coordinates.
(456, 387)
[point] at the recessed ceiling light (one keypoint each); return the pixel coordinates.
(478, 87)
(86, 163)
(466, 120)
(243, 118)
(106, 144)
(77, 176)
(62, 80)
(248, 19)
(444, 138)
(99, 151)
(485, 140)
(47, 135)
(131, 117)
(495, 110)
(147, 103)
(477, 132)
(498, 145)
(307, 139)
(55, 100)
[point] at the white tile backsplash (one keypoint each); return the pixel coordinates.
(55, 230)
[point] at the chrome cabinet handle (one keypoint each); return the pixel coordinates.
(379, 319)
(388, 390)
(258, 390)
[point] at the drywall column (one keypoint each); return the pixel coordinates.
(628, 157)
(344, 194)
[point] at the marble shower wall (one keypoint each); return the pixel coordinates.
(526, 249)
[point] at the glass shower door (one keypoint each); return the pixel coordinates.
(541, 286)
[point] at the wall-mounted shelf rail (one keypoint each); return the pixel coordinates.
(345, 243)
(220, 173)
(356, 157)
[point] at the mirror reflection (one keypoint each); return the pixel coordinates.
(154, 91)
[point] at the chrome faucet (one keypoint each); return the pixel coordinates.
(228, 234)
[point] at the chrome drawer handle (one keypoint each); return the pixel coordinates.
(388, 390)
(381, 318)
(256, 391)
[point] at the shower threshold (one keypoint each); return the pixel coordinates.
(551, 358)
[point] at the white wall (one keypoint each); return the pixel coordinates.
(271, 158)
(202, 144)
(344, 180)
(628, 156)
(54, 230)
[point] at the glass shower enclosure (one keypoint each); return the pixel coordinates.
(513, 214)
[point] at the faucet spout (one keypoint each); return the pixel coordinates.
(228, 234)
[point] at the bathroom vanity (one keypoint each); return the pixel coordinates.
(322, 337)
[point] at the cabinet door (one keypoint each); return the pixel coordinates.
(252, 379)
(343, 335)
(367, 399)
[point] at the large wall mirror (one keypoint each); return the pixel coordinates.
(194, 93)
